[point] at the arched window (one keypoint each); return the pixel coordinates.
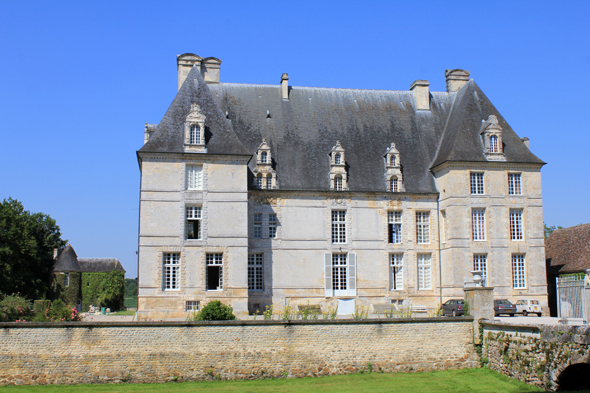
(392, 160)
(269, 181)
(494, 144)
(259, 181)
(263, 157)
(393, 187)
(338, 183)
(337, 158)
(195, 135)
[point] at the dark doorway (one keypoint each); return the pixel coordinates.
(574, 377)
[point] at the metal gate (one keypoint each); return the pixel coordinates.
(571, 302)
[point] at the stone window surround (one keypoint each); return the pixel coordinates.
(256, 271)
(518, 263)
(515, 183)
(516, 224)
(424, 268)
(423, 227)
(478, 224)
(477, 183)
(396, 271)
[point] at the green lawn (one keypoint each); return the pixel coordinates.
(126, 312)
(456, 381)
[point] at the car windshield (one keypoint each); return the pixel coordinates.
(504, 301)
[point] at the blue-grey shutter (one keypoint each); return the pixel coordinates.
(352, 274)
(328, 274)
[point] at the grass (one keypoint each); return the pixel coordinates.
(456, 381)
(126, 312)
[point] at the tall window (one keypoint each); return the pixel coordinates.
(516, 232)
(393, 186)
(494, 144)
(338, 183)
(476, 183)
(338, 226)
(259, 181)
(193, 222)
(255, 272)
(339, 272)
(394, 227)
(392, 160)
(263, 157)
(67, 279)
(337, 158)
(397, 271)
(478, 224)
(422, 227)
(257, 226)
(480, 262)
(514, 187)
(214, 277)
(195, 134)
(443, 226)
(272, 225)
(518, 272)
(269, 181)
(194, 174)
(424, 272)
(171, 271)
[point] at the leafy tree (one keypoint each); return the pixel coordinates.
(27, 241)
(130, 287)
(215, 311)
(549, 229)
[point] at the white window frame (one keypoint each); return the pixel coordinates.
(478, 224)
(476, 182)
(480, 263)
(259, 181)
(424, 272)
(393, 184)
(516, 225)
(272, 225)
(340, 274)
(214, 259)
(263, 157)
(494, 148)
(394, 227)
(67, 279)
(171, 271)
(338, 183)
(194, 177)
(396, 271)
(423, 227)
(192, 305)
(337, 158)
(257, 226)
(514, 184)
(268, 181)
(194, 134)
(194, 215)
(256, 272)
(518, 271)
(338, 226)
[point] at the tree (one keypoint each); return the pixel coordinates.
(27, 241)
(549, 229)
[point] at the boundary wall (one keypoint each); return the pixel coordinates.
(82, 352)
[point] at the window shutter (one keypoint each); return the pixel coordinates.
(328, 274)
(352, 274)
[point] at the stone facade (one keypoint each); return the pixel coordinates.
(161, 352)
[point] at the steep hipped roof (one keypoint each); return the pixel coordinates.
(461, 140)
(67, 261)
(568, 250)
(99, 265)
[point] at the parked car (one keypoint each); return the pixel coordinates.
(453, 307)
(528, 306)
(503, 306)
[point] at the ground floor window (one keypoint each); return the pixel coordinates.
(396, 271)
(192, 305)
(340, 276)
(424, 272)
(480, 263)
(171, 271)
(339, 271)
(214, 271)
(255, 272)
(518, 271)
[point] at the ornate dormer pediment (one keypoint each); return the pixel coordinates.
(393, 173)
(338, 175)
(265, 176)
(491, 137)
(194, 130)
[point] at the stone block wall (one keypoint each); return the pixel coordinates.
(67, 353)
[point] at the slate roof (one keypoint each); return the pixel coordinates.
(302, 131)
(68, 261)
(567, 250)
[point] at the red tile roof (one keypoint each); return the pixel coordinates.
(568, 250)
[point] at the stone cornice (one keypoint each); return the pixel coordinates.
(486, 165)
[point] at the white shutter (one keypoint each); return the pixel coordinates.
(352, 274)
(328, 274)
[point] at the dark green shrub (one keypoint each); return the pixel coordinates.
(58, 312)
(14, 308)
(215, 311)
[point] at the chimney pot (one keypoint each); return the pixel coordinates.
(421, 94)
(184, 63)
(285, 86)
(456, 79)
(210, 68)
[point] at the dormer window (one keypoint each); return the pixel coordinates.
(338, 174)
(393, 170)
(194, 131)
(491, 137)
(494, 144)
(265, 175)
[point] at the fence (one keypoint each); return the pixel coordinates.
(571, 302)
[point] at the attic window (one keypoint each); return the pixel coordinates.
(491, 137)
(263, 157)
(259, 181)
(194, 130)
(393, 186)
(338, 174)
(264, 173)
(494, 144)
(393, 170)
(338, 183)
(337, 158)
(392, 160)
(195, 135)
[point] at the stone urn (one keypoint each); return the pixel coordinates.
(477, 277)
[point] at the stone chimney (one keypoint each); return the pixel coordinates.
(525, 140)
(208, 67)
(456, 79)
(285, 87)
(421, 94)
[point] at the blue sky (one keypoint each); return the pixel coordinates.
(79, 80)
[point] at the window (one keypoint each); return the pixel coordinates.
(422, 227)
(478, 224)
(476, 183)
(338, 226)
(514, 184)
(257, 225)
(171, 271)
(272, 225)
(337, 158)
(393, 187)
(67, 279)
(263, 157)
(394, 227)
(397, 271)
(392, 160)
(443, 224)
(193, 222)
(338, 183)
(494, 144)
(424, 273)
(192, 305)
(516, 232)
(480, 263)
(339, 272)
(195, 134)
(214, 271)
(259, 181)
(269, 181)
(255, 272)
(518, 275)
(194, 175)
